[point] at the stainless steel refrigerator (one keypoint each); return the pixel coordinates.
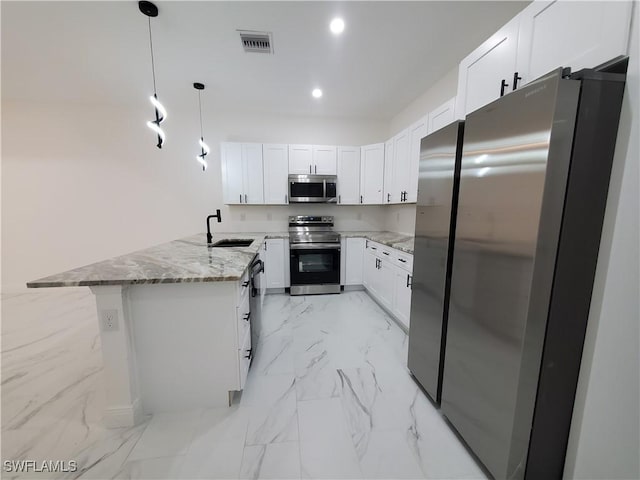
(439, 176)
(533, 187)
(502, 280)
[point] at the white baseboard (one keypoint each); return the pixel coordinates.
(127, 416)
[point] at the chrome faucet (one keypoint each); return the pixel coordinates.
(219, 217)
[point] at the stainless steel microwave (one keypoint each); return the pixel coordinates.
(313, 188)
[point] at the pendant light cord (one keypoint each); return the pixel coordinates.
(200, 106)
(153, 66)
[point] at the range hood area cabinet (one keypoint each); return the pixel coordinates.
(544, 36)
(313, 160)
(242, 174)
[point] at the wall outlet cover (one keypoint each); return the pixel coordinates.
(109, 320)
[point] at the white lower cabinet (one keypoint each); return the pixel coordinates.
(387, 278)
(273, 253)
(354, 261)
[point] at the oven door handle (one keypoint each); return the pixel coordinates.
(314, 246)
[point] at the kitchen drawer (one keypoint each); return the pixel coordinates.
(374, 247)
(243, 319)
(403, 260)
(244, 360)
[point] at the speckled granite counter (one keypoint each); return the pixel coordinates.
(399, 241)
(180, 261)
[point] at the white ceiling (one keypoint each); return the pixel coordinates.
(98, 52)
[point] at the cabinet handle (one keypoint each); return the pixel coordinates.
(503, 85)
(373, 248)
(247, 316)
(360, 198)
(516, 77)
(248, 355)
(245, 284)
(265, 245)
(385, 253)
(240, 198)
(316, 168)
(402, 260)
(245, 198)
(339, 198)
(286, 198)
(388, 197)
(408, 280)
(310, 169)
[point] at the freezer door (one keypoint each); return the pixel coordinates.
(435, 220)
(515, 163)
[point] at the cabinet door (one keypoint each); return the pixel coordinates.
(402, 295)
(401, 166)
(300, 159)
(571, 34)
(354, 261)
(481, 73)
(274, 262)
(348, 175)
(388, 172)
(325, 160)
(369, 271)
(441, 116)
(372, 160)
(253, 173)
(416, 132)
(275, 161)
(385, 280)
(232, 173)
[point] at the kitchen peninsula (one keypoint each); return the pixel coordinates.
(174, 324)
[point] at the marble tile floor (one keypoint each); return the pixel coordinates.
(328, 396)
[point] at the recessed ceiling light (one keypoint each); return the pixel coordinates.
(337, 26)
(317, 93)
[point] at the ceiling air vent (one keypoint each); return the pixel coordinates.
(258, 42)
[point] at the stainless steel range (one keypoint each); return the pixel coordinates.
(315, 255)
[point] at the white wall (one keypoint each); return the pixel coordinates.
(402, 218)
(84, 183)
(605, 431)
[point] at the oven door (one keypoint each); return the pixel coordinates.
(315, 268)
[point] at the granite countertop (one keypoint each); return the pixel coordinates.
(188, 260)
(180, 261)
(399, 241)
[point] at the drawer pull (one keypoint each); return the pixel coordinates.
(245, 284)
(249, 353)
(247, 316)
(386, 253)
(402, 260)
(373, 248)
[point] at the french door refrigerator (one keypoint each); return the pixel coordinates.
(439, 176)
(533, 187)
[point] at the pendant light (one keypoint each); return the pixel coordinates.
(150, 10)
(204, 148)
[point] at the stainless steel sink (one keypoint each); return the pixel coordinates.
(232, 242)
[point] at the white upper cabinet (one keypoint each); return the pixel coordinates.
(372, 173)
(300, 159)
(325, 160)
(416, 132)
(313, 159)
(571, 34)
(242, 173)
(348, 175)
(544, 36)
(275, 159)
(483, 73)
(401, 167)
(441, 116)
(388, 172)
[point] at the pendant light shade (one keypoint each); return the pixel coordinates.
(204, 148)
(150, 10)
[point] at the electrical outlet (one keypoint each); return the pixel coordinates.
(109, 320)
